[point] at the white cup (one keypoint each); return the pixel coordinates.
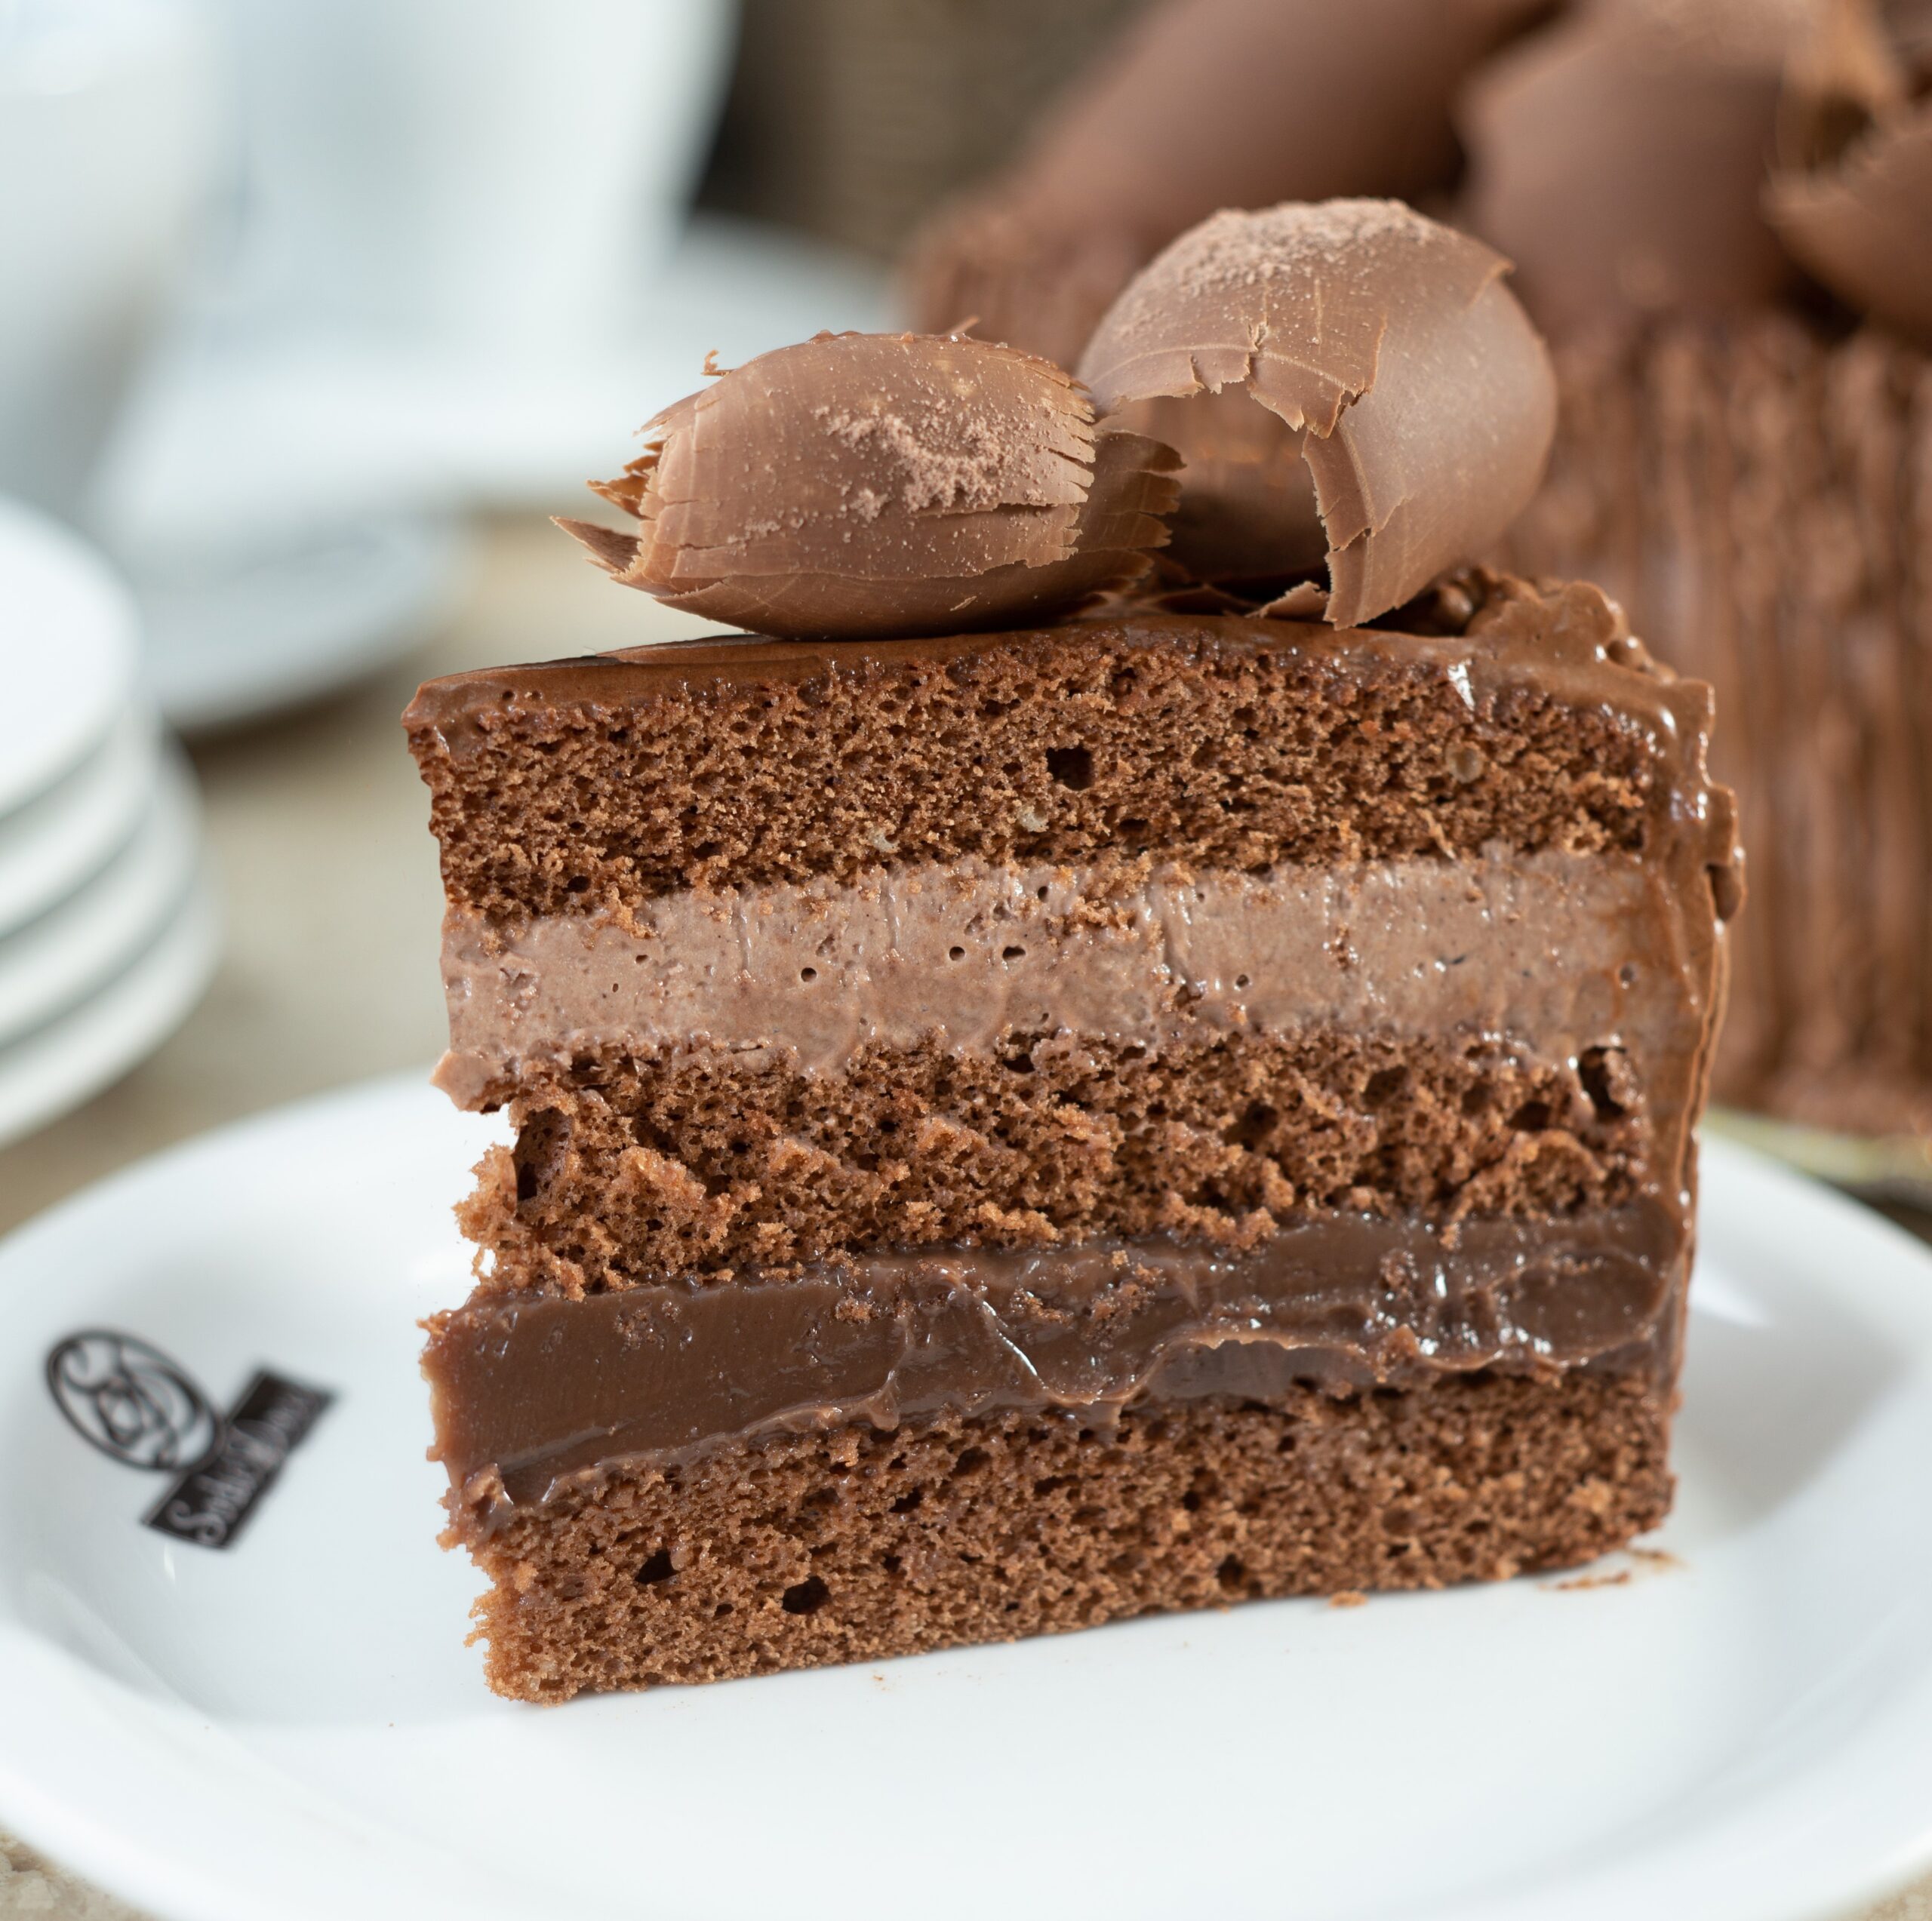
(497, 171)
(108, 130)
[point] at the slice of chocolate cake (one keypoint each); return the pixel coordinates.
(1017, 1131)
(1014, 1130)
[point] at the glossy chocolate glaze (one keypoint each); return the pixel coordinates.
(532, 1397)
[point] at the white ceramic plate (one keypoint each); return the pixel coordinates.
(67, 833)
(62, 958)
(292, 1726)
(53, 1070)
(68, 637)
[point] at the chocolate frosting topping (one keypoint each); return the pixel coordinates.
(876, 483)
(1405, 374)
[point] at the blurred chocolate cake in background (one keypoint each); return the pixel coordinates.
(1745, 461)
(1202, 104)
(1721, 212)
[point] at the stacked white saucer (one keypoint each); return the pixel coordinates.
(108, 929)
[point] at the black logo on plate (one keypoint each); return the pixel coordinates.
(129, 1399)
(209, 1503)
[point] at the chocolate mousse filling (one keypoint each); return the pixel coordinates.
(1563, 951)
(533, 1396)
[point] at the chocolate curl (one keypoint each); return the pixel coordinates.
(1618, 158)
(1412, 384)
(1247, 492)
(1852, 195)
(885, 484)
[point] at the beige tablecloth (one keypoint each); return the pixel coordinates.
(318, 826)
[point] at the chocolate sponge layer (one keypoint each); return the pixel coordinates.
(703, 1161)
(861, 1543)
(584, 785)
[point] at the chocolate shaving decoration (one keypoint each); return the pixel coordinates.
(1403, 371)
(1247, 495)
(1852, 195)
(885, 484)
(1618, 158)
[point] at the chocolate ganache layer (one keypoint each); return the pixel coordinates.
(532, 1397)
